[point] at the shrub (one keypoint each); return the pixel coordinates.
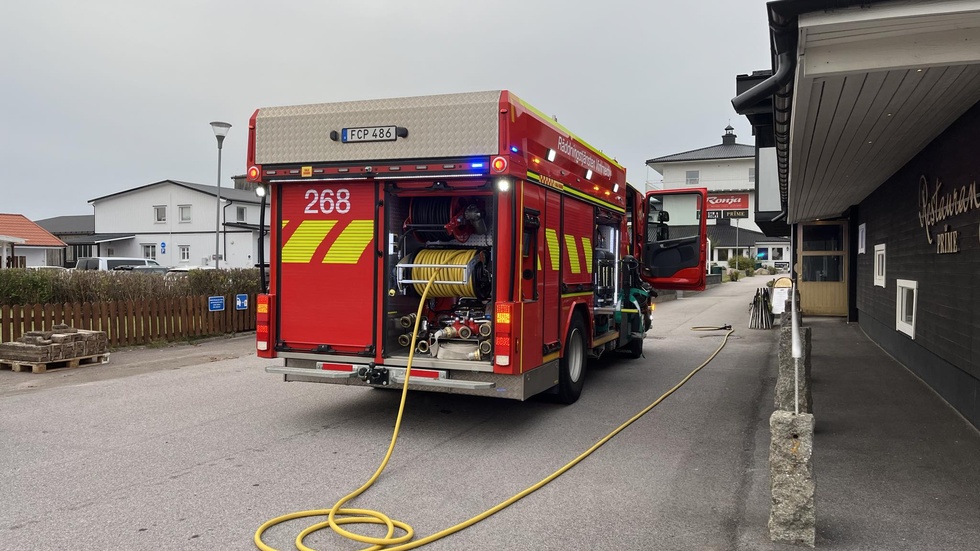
(733, 275)
(43, 287)
(741, 263)
(772, 270)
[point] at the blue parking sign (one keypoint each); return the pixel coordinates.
(241, 302)
(216, 304)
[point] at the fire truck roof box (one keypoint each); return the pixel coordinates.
(447, 125)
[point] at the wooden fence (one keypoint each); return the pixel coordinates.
(131, 323)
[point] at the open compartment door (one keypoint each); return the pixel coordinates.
(675, 244)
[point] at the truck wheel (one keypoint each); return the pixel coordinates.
(571, 367)
(635, 348)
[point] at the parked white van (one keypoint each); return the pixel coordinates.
(112, 262)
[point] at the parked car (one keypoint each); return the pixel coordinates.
(145, 269)
(182, 271)
(112, 262)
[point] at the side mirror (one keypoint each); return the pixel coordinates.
(663, 216)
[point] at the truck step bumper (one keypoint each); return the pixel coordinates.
(397, 377)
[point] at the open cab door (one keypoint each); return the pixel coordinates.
(675, 237)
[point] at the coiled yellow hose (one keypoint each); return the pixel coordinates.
(403, 542)
(456, 257)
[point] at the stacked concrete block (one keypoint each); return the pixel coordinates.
(62, 343)
(25, 352)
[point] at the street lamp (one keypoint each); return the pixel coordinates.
(220, 131)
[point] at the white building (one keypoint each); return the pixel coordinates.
(25, 244)
(727, 171)
(175, 223)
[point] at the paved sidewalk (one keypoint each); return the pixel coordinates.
(895, 466)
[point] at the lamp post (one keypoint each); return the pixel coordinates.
(220, 131)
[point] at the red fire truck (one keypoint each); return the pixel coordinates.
(542, 255)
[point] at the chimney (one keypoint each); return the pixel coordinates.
(729, 137)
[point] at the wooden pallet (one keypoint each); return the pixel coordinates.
(41, 367)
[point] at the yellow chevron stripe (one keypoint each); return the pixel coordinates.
(551, 237)
(305, 240)
(572, 254)
(587, 248)
(284, 223)
(351, 243)
(539, 263)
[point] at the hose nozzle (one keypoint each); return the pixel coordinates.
(407, 321)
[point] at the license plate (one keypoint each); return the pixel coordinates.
(368, 134)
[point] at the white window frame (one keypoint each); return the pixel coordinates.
(150, 250)
(692, 180)
(879, 265)
(181, 209)
(752, 174)
(185, 252)
(903, 285)
(241, 213)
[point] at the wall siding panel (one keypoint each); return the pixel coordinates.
(946, 350)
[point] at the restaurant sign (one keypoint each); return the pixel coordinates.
(936, 205)
(728, 205)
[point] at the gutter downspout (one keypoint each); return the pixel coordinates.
(780, 87)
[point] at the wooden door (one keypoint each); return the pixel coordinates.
(822, 268)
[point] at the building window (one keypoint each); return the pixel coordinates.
(240, 214)
(752, 175)
(109, 251)
(184, 212)
(880, 265)
(777, 253)
(762, 253)
(823, 237)
(150, 251)
(160, 213)
(905, 306)
(693, 177)
(185, 253)
(722, 254)
(823, 268)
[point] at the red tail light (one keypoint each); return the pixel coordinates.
(502, 345)
(499, 164)
(263, 343)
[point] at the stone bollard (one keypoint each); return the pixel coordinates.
(784, 319)
(786, 377)
(792, 517)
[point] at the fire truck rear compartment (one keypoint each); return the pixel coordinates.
(449, 236)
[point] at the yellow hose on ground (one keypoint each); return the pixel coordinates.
(403, 542)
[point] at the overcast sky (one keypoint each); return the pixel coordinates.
(103, 96)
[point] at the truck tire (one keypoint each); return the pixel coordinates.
(571, 367)
(635, 348)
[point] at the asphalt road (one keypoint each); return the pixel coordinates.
(195, 446)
